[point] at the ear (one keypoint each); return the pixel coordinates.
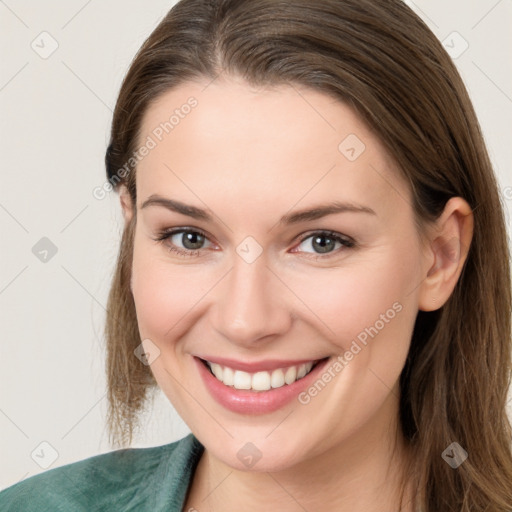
(126, 204)
(447, 248)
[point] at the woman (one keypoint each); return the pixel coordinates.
(314, 269)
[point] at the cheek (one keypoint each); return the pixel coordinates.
(366, 301)
(165, 294)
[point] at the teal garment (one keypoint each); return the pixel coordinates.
(134, 479)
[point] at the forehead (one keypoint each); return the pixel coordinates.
(250, 146)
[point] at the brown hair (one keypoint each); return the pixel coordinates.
(380, 58)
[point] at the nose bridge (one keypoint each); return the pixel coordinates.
(249, 305)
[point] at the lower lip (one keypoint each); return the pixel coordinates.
(256, 402)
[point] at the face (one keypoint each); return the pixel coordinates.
(274, 236)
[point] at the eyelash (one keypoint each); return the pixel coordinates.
(164, 235)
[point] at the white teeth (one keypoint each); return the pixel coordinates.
(242, 380)
(277, 379)
(217, 370)
(228, 376)
(291, 375)
(259, 381)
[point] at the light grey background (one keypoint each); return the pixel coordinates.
(54, 126)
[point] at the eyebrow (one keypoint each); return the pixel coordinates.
(308, 214)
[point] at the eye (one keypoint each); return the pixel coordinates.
(324, 243)
(183, 241)
(189, 242)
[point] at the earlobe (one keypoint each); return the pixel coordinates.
(449, 246)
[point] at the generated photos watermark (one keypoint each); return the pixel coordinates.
(342, 361)
(157, 135)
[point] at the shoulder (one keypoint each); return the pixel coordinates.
(129, 479)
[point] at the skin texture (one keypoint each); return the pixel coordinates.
(250, 156)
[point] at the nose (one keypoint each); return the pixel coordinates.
(251, 305)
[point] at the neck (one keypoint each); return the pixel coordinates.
(363, 473)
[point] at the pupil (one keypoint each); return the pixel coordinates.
(323, 247)
(189, 239)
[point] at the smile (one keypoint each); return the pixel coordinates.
(261, 380)
(260, 387)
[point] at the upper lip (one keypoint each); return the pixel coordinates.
(256, 366)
